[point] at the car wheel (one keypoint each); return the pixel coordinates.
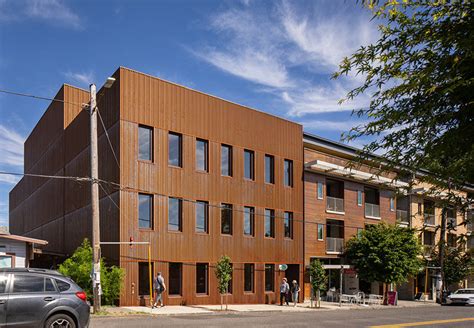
(60, 321)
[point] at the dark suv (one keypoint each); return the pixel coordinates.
(41, 298)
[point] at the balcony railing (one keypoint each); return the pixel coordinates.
(335, 204)
(402, 216)
(429, 219)
(334, 245)
(372, 210)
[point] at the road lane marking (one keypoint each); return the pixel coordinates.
(424, 323)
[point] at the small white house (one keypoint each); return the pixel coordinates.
(18, 251)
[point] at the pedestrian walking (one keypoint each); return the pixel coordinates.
(159, 287)
(295, 289)
(284, 290)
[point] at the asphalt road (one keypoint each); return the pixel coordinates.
(455, 317)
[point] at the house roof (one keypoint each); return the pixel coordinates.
(24, 239)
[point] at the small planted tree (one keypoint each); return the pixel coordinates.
(223, 275)
(385, 253)
(458, 264)
(79, 267)
(318, 279)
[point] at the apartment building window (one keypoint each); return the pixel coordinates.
(402, 210)
(175, 151)
(428, 238)
(144, 278)
(175, 214)
(175, 276)
(202, 155)
(202, 278)
(230, 285)
(334, 236)
(288, 224)
(226, 160)
(269, 223)
(334, 196)
(392, 204)
(269, 169)
(145, 143)
(226, 219)
(451, 220)
(320, 190)
(249, 220)
(320, 231)
(145, 211)
(359, 197)
(249, 272)
(202, 216)
(249, 164)
(269, 277)
(429, 212)
(288, 174)
(372, 202)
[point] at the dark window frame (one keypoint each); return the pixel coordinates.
(251, 214)
(180, 214)
(206, 155)
(151, 210)
(206, 280)
(288, 173)
(142, 290)
(173, 278)
(180, 149)
(230, 159)
(205, 205)
(269, 277)
(270, 217)
(227, 208)
(270, 179)
(151, 143)
(251, 174)
(251, 266)
(288, 234)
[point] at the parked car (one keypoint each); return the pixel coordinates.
(461, 296)
(41, 298)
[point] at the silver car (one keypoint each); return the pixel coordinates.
(41, 298)
(461, 296)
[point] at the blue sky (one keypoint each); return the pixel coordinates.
(275, 56)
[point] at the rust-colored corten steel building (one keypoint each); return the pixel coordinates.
(199, 177)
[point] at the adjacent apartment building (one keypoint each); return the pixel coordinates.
(196, 176)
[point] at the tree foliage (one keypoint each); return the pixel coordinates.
(318, 278)
(420, 76)
(457, 264)
(79, 268)
(385, 253)
(224, 275)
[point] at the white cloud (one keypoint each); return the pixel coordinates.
(291, 52)
(81, 78)
(53, 10)
(327, 125)
(11, 147)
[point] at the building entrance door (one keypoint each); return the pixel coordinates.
(293, 273)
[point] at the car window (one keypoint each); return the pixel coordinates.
(62, 285)
(48, 285)
(3, 283)
(31, 284)
(465, 291)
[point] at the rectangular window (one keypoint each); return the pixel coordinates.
(202, 216)
(202, 278)
(359, 197)
(175, 276)
(145, 143)
(320, 190)
(249, 163)
(32, 284)
(226, 219)
(145, 211)
(288, 167)
(249, 271)
(288, 222)
(144, 278)
(269, 169)
(269, 223)
(392, 204)
(320, 231)
(202, 155)
(226, 160)
(175, 151)
(230, 287)
(249, 221)
(175, 214)
(269, 277)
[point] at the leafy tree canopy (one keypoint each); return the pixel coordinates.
(385, 253)
(318, 276)
(79, 267)
(420, 76)
(223, 273)
(457, 264)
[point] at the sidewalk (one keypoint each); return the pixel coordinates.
(242, 308)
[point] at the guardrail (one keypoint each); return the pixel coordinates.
(372, 210)
(429, 219)
(402, 216)
(334, 245)
(335, 204)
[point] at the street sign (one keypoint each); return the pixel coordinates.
(283, 267)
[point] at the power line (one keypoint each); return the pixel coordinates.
(102, 187)
(46, 176)
(41, 98)
(108, 138)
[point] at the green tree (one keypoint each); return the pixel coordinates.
(319, 280)
(385, 253)
(79, 267)
(458, 264)
(224, 275)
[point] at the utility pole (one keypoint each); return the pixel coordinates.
(96, 287)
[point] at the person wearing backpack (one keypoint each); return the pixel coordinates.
(159, 287)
